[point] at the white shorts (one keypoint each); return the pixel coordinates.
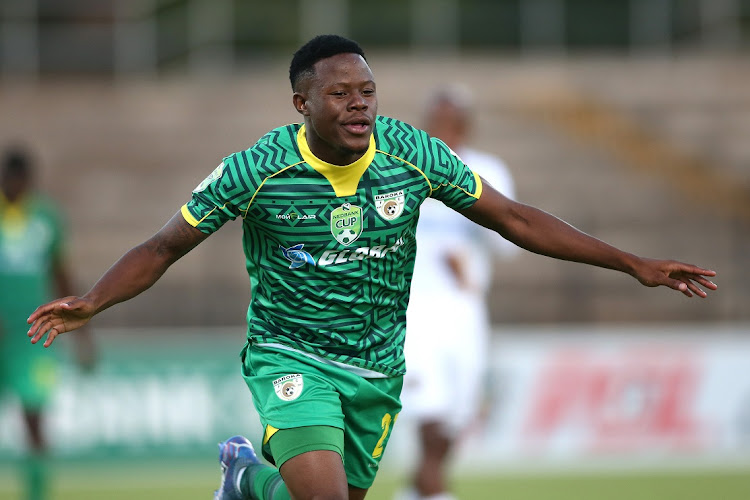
(446, 359)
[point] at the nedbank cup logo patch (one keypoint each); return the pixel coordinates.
(289, 387)
(211, 177)
(390, 205)
(346, 223)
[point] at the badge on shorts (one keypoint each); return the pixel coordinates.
(288, 387)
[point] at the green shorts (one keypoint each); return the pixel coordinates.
(27, 371)
(291, 391)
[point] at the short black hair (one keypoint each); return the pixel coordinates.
(17, 161)
(320, 47)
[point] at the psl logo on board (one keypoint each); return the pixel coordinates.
(346, 223)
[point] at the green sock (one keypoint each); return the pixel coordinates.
(262, 482)
(37, 477)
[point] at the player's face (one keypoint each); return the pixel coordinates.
(14, 187)
(339, 104)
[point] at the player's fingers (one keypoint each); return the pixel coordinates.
(39, 312)
(50, 307)
(705, 282)
(679, 285)
(51, 336)
(696, 289)
(37, 331)
(695, 270)
(40, 328)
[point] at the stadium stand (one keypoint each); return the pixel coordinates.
(669, 178)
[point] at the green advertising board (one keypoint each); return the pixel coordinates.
(152, 392)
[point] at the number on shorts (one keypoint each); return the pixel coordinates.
(385, 424)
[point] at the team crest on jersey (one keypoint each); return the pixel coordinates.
(289, 387)
(390, 205)
(211, 177)
(346, 223)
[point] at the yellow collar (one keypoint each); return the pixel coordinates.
(343, 178)
(12, 215)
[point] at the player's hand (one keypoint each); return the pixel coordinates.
(59, 316)
(682, 277)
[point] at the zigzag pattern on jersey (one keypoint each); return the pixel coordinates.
(400, 139)
(429, 155)
(273, 152)
(352, 311)
(379, 349)
(330, 324)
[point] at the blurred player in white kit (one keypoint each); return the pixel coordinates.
(447, 319)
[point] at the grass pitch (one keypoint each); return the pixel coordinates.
(196, 480)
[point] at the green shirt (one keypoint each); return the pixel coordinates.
(330, 249)
(30, 242)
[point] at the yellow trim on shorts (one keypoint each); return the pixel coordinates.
(270, 431)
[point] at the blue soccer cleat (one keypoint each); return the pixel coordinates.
(235, 454)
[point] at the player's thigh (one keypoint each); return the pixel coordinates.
(318, 474)
(357, 493)
(290, 392)
(315, 474)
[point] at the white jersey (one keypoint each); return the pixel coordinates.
(447, 321)
(443, 231)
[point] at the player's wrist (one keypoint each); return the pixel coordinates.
(631, 264)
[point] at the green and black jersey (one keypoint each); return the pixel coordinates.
(330, 249)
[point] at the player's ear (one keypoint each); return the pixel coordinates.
(300, 103)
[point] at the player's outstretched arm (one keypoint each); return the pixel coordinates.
(132, 274)
(545, 234)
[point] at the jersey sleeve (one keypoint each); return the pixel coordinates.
(220, 197)
(451, 180)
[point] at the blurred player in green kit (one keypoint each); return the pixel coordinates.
(32, 269)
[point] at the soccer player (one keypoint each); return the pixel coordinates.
(329, 210)
(443, 385)
(32, 270)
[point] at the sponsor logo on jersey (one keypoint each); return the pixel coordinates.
(331, 257)
(346, 223)
(289, 387)
(297, 256)
(390, 205)
(295, 216)
(211, 177)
